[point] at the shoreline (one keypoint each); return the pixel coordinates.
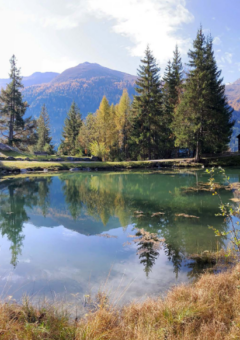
(206, 309)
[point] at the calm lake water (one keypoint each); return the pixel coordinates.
(75, 232)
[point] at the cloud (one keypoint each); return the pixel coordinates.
(227, 58)
(153, 22)
(217, 41)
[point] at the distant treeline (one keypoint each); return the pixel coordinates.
(183, 110)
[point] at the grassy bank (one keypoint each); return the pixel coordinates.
(208, 309)
(58, 166)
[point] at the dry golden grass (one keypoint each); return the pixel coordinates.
(206, 310)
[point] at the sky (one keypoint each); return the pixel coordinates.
(53, 35)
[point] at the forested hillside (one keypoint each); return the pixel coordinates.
(86, 84)
(233, 94)
(34, 79)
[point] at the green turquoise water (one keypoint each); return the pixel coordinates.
(72, 233)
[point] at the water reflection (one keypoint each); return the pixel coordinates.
(92, 203)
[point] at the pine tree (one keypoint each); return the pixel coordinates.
(43, 131)
(72, 125)
(13, 107)
(147, 124)
(203, 112)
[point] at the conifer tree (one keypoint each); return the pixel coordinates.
(88, 132)
(173, 80)
(72, 125)
(177, 76)
(13, 127)
(147, 123)
(43, 131)
(219, 119)
(203, 112)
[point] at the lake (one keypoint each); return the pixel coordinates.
(71, 234)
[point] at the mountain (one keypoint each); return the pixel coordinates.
(35, 79)
(233, 94)
(86, 84)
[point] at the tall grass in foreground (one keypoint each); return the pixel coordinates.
(207, 309)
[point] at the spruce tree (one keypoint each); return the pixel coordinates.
(147, 124)
(43, 131)
(203, 119)
(72, 125)
(173, 80)
(219, 119)
(177, 76)
(13, 107)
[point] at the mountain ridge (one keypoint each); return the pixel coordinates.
(86, 84)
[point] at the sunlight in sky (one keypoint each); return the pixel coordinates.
(58, 34)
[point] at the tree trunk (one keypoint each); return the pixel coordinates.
(10, 136)
(197, 154)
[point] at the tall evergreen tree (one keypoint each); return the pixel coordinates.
(220, 122)
(43, 131)
(203, 112)
(177, 76)
(13, 108)
(71, 128)
(147, 123)
(173, 80)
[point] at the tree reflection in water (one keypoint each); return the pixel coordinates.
(15, 197)
(106, 195)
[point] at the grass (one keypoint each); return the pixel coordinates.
(208, 309)
(58, 166)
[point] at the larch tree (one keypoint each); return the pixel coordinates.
(43, 131)
(14, 128)
(72, 125)
(123, 122)
(147, 122)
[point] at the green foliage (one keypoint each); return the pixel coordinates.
(202, 121)
(73, 123)
(98, 149)
(43, 131)
(13, 127)
(148, 127)
(230, 212)
(172, 88)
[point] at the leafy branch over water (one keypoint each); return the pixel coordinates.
(228, 211)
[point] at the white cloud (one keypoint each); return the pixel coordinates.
(153, 22)
(227, 58)
(48, 30)
(217, 41)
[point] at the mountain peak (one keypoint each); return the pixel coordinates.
(89, 71)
